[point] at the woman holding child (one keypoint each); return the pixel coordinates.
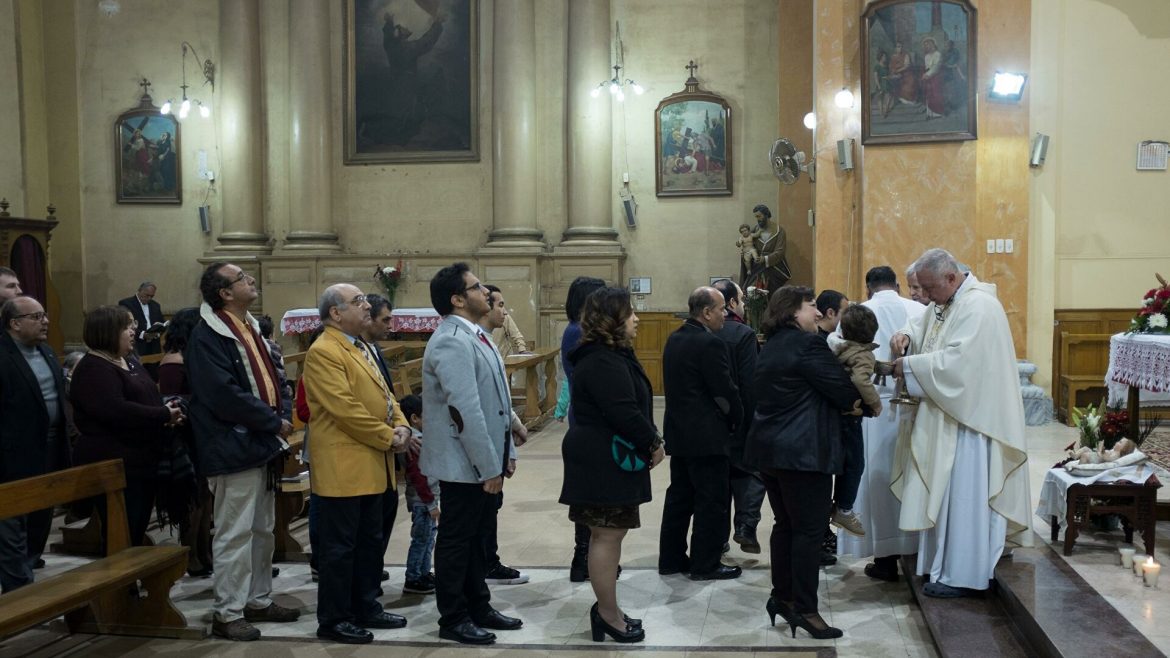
(609, 450)
(795, 443)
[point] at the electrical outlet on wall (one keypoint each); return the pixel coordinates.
(991, 245)
(999, 245)
(1009, 246)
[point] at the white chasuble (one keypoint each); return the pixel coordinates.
(963, 460)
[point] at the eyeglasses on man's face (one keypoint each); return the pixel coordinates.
(478, 285)
(36, 317)
(358, 299)
(244, 276)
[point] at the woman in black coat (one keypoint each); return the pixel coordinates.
(609, 450)
(795, 442)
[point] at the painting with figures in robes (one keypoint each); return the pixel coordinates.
(411, 83)
(918, 77)
(146, 163)
(693, 143)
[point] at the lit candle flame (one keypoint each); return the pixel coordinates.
(1150, 561)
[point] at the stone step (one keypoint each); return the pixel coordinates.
(1038, 606)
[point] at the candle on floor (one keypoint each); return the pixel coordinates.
(1126, 555)
(1150, 571)
(1138, 559)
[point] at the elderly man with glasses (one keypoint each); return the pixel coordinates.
(240, 420)
(32, 429)
(356, 424)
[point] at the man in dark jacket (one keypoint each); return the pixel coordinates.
(32, 429)
(747, 489)
(148, 314)
(240, 422)
(702, 409)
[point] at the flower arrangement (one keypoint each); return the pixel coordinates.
(1100, 427)
(1154, 315)
(755, 301)
(389, 277)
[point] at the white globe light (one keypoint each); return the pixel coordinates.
(596, 92)
(844, 99)
(204, 111)
(620, 96)
(166, 108)
(810, 121)
(184, 108)
(638, 89)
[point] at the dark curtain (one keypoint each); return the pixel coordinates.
(28, 261)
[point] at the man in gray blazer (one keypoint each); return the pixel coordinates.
(467, 411)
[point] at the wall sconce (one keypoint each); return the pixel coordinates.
(844, 99)
(1007, 87)
(810, 121)
(616, 86)
(186, 103)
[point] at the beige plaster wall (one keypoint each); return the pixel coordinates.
(1098, 226)
(11, 157)
(680, 242)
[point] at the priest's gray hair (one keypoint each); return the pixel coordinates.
(936, 261)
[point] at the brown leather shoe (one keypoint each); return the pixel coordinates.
(273, 612)
(237, 631)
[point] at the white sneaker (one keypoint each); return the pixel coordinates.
(502, 574)
(849, 522)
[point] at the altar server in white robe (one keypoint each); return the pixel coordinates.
(876, 506)
(961, 468)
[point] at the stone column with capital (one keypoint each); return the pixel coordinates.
(241, 124)
(514, 127)
(310, 140)
(590, 130)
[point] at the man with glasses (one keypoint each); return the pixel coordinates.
(467, 410)
(240, 420)
(32, 429)
(355, 423)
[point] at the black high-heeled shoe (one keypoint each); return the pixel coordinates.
(630, 621)
(601, 629)
(781, 608)
(809, 623)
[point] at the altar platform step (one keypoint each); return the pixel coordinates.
(1038, 606)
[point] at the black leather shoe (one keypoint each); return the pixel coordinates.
(667, 569)
(466, 633)
(498, 621)
(383, 620)
(722, 572)
(345, 633)
(828, 559)
(385, 575)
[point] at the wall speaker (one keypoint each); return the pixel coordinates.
(629, 207)
(205, 218)
(1039, 150)
(845, 154)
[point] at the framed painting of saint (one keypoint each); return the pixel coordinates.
(147, 165)
(411, 81)
(919, 71)
(692, 144)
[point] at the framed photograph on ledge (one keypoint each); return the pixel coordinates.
(918, 78)
(147, 167)
(692, 144)
(411, 81)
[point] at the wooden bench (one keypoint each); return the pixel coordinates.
(537, 408)
(407, 378)
(1083, 361)
(126, 593)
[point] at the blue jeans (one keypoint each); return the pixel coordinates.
(849, 481)
(422, 542)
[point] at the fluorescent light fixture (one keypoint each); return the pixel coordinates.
(810, 121)
(1007, 87)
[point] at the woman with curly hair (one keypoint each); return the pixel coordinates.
(609, 449)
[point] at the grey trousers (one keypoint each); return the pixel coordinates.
(244, 513)
(747, 492)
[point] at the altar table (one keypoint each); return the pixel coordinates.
(1138, 362)
(1130, 491)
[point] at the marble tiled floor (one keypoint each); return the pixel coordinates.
(681, 617)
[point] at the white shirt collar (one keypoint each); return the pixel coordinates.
(474, 328)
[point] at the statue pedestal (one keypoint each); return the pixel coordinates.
(1037, 404)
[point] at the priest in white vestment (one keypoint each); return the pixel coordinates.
(961, 467)
(876, 506)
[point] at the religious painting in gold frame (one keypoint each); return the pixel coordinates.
(692, 143)
(918, 77)
(147, 166)
(411, 81)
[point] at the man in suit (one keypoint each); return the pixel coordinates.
(147, 313)
(355, 423)
(467, 411)
(702, 408)
(32, 429)
(747, 489)
(239, 420)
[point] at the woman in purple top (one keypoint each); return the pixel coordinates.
(119, 412)
(581, 287)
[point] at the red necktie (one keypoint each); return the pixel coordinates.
(483, 339)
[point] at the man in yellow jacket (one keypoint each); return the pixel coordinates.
(356, 424)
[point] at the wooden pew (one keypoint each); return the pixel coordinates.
(1084, 358)
(407, 378)
(125, 593)
(536, 410)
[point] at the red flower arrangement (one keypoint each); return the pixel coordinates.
(390, 277)
(1154, 315)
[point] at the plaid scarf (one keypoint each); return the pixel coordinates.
(257, 359)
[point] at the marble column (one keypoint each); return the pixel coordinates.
(310, 180)
(590, 130)
(241, 122)
(514, 126)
